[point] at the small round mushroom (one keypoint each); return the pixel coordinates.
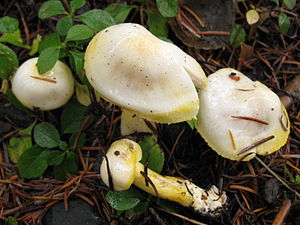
(135, 70)
(43, 91)
(124, 168)
(240, 118)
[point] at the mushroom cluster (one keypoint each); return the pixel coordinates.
(43, 91)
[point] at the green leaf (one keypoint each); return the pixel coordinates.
(8, 61)
(35, 45)
(79, 32)
(141, 207)
(47, 59)
(76, 4)
(46, 135)
(167, 8)
(81, 140)
(97, 19)
(50, 41)
(119, 11)
(51, 8)
(55, 157)
(63, 25)
(290, 4)
(72, 117)
(284, 23)
(17, 145)
(11, 221)
(153, 157)
(192, 123)
(124, 200)
(14, 39)
(8, 24)
(237, 36)
(76, 62)
(68, 165)
(33, 162)
(157, 25)
(63, 146)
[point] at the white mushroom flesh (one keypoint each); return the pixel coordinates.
(134, 69)
(46, 91)
(240, 118)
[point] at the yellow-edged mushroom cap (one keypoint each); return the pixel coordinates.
(239, 117)
(132, 68)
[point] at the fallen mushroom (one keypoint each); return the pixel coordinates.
(152, 78)
(120, 168)
(240, 118)
(43, 91)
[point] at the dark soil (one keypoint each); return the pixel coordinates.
(255, 196)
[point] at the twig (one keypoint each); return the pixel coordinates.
(282, 212)
(277, 177)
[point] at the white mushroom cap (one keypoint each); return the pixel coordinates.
(44, 92)
(122, 155)
(132, 68)
(238, 116)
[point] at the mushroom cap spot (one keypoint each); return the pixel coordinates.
(121, 165)
(132, 68)
(224, 98)
(41, 94)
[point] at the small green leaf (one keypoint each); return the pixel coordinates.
(63, 25)
(8, 61)
(35, 45)
(237, 36)
(33, 162)
(17, 145)
(97, 19)
(11, 221)
(192, 123)
(14, 39)
(167, 8)
(141, 207)
(284, 23)
(124, 200)
(72, 117)
(68, 165)
(76, 62)
(8, 24)
(81, 140)
(153, 157)
(76, 4)
(290, 4)
(55, 158)
(46, 135)
(157, 25)
(119, 11)
(51, 8)
(63, 146)
(47, 59)
(79, 32)
(50, 41)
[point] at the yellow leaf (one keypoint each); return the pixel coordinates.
(252, 16)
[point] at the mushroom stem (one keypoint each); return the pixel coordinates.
(123, 158)
(180, 190)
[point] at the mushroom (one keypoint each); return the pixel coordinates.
(43, 91)
(240, 118)
(120, 168)
(152, 78)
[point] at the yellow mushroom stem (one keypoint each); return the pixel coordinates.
(179, 190)
(124, 156)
